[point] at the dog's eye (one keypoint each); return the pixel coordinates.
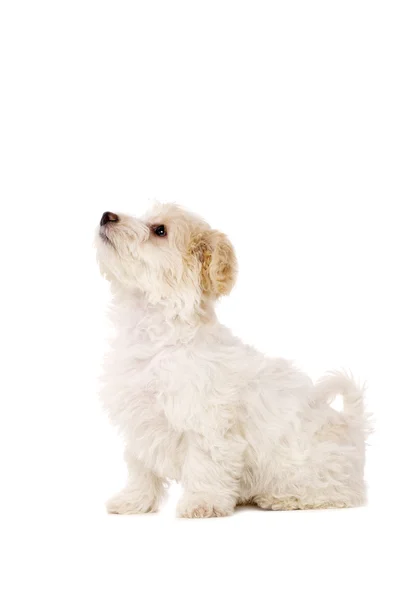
(160, 230)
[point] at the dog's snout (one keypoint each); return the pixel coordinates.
(108, 217)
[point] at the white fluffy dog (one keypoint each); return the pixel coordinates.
(195, 404)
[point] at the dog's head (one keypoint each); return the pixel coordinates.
(170, 255)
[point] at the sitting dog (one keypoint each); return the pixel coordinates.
(196, 405)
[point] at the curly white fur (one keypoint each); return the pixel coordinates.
(195, 404)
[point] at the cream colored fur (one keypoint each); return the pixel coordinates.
(196, 405)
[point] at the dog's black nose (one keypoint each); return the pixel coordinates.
(107, 217)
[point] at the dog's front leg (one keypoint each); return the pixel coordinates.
(211, 476)
(143, 492)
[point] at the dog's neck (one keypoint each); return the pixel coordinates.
(132, 312)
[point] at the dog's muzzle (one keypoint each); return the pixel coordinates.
(109, 217)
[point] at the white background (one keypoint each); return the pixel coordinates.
(278, 122)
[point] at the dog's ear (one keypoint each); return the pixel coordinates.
(218, 262)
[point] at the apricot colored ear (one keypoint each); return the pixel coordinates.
(218, 262)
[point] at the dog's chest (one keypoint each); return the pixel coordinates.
(134, 400)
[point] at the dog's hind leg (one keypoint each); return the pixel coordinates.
(268, 502)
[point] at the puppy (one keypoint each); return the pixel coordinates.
(196, 405)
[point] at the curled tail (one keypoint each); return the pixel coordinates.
(336, 383)
(348, 430)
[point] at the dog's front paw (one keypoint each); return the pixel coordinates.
(200, 506)
(129, 502)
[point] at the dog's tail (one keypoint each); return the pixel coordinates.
(336, 383)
